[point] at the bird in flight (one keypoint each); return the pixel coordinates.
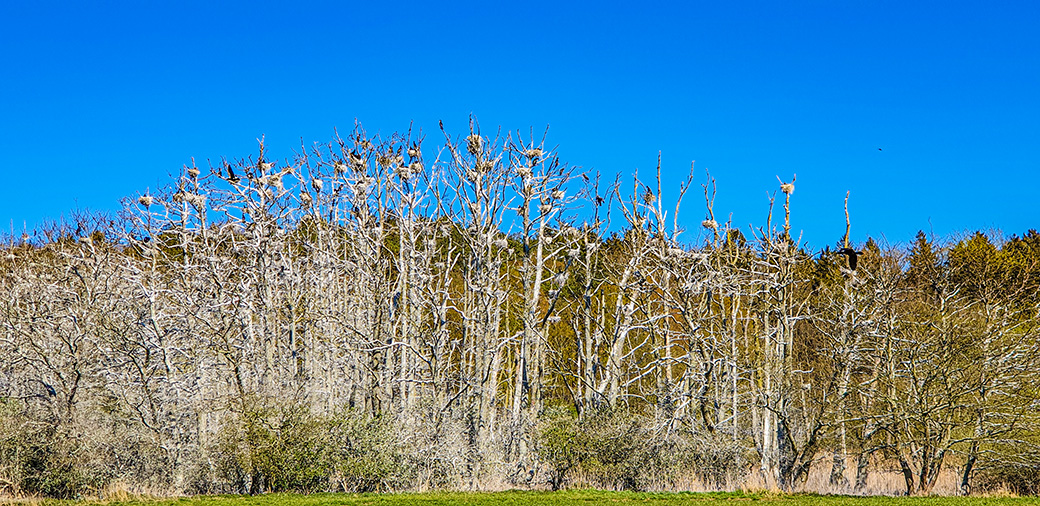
(852, 255)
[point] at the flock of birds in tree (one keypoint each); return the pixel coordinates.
(851, 254)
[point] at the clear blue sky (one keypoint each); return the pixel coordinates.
(100, 100)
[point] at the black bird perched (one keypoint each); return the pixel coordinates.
(852, 254)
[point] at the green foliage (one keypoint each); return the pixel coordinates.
(288, 448)
(39, 458)
(924, 262)
(367, 458)
(616, 449)
(608, 448)
(48, 465)
(276, 449)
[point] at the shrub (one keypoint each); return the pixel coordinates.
(367, 458)
(48, 466)
(289, 448)
(269, 449)
(10, 470)
(1021, 477)
(38, 457)
(610, 448)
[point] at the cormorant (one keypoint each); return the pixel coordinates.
(231, 175)
(852, 254)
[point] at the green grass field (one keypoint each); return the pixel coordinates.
(566, 498)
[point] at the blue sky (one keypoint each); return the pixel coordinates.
(100, 100)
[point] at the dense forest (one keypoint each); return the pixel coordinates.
(471, 313)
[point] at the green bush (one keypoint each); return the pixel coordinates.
(367, 456)
(39, 457)
(289, 448)
(48, 465)
(610, 448)
(269, 449)
(10, 470)
(616, 449)
(558, 440)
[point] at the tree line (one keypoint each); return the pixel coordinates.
(383, 314)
